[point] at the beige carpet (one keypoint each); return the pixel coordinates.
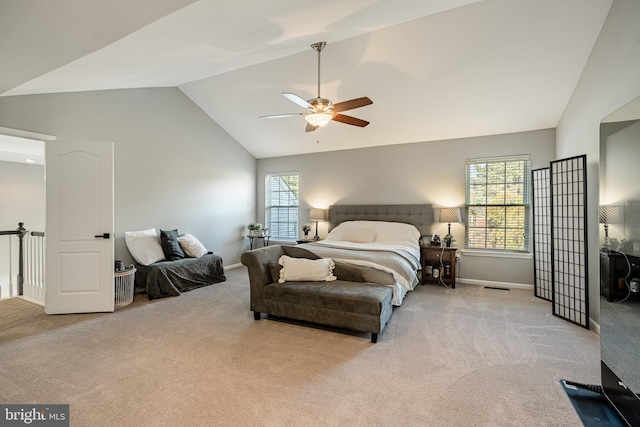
(463, 357)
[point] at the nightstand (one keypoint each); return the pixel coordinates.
(442, 259)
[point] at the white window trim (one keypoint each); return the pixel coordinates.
(276, 239)
(502, 253)
(496, 253)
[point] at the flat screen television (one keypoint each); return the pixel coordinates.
(620, 260)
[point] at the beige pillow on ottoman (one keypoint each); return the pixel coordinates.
(307, 270)
(191, 246)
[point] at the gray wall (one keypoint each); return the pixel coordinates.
(426, 172)
(21, 200)
(174, 166)
(22, 190)
(609, 80)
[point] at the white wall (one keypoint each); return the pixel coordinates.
(426, 172)
(610, 79)
(174, 166)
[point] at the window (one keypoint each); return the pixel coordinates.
(281, 210)
(498, 203)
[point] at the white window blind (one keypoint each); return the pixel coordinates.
(498, 200)
(281, 210)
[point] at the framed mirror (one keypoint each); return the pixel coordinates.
(619, 217)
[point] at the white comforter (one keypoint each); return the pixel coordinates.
(392, 247)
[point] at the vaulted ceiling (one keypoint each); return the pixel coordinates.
(435, 69)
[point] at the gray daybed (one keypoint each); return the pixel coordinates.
(359, 300)
(171, 278)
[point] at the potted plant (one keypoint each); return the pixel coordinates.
(255, 229)
(448, 240)
(306, 228)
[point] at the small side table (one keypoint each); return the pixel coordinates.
(442, 259)
(265, 240)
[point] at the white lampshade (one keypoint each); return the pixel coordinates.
(318, 119)
(317, 215)
(610, 214)
(450, 215)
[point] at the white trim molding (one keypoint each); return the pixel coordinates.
(492, 284)
(232, 266)
(496, 254)
(26, 134)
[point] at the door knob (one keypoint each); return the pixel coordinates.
(102, 236)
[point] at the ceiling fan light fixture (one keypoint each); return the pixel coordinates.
(318, 119)
(321, 110)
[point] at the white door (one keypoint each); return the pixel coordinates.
(79, 227)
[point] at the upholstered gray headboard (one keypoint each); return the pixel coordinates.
(419, 215)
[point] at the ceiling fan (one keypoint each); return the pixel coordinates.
(321, 110)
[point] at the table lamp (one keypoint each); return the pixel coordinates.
(317, 215)
(609, 215)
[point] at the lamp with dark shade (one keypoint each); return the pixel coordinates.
(317, 215)
(609, 215)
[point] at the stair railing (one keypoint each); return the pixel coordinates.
(31, 257)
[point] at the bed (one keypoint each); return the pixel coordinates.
(373, 255)
(386, 237)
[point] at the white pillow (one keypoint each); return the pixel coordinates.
(144, 246)
(191, 246)
(360, 236)
(382, 231)
(313, 270)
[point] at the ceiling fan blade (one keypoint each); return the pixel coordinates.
(351, 104)
(277, 116)
(350, 120)
(295, 98)
(309, 128)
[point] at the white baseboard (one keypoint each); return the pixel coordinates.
(492, 284)
(232, 266)
(33, 300)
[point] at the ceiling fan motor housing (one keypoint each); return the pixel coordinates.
(321, 105)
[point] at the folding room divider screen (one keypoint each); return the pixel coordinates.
(569, 239)
(543, 271)
(560, 238)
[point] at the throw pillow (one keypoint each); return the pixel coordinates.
(275, 268)
(300, 269)
(192, 246)
(170, 245)
(144, 246)
(347, 272)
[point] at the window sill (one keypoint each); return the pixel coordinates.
(285, 242)
(496, 254)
